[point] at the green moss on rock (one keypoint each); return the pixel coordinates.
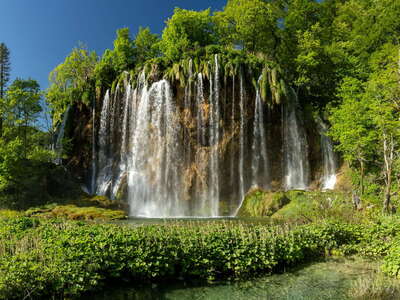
(259, 203)
(296, 205)
(72, 212)
(313, 205)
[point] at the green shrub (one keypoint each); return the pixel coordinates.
(45, 258)
(391, 263)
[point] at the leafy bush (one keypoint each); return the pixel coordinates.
(44, 258)
(391, 264)
(68, 258)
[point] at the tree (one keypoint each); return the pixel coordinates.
(114, 62)
(383, 93)
(353, 128)
(23, 108)
(146, 45)
(23, 147)
(367, 123)
(186, 31)
(124, 51)
(71, 81)
(4, 76)
(252, 25)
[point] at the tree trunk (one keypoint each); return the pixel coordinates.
(388, 156)
(386, 201)
(362, 177)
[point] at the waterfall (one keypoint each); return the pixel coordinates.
(59, 147)
(155, 181)
(232, 160)
(104, 176)
(124, 149)
(296, 164)
(241, 139)
(200, 105)
(196, 154)
(94, 169)
(214, 139)
(202, 186)
(328, 179)
(259, 164)
(187, 110)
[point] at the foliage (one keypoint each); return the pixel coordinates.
(146, 45)
(250, 25)
(80, 257)
(392, 261)
(71, 81)
(187, 31)
(366, 123)
(124, 53)
(56, 258)
(4, 76)
(23, 147)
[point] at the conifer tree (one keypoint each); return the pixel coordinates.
(4, 76)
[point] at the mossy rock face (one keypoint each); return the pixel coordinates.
(72, 212)
(295, 205)
(259, 203)
(312, 205)
(102, 202)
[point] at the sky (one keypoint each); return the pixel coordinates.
(41, 33)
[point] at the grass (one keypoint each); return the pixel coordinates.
(375, 286)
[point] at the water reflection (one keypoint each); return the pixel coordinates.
(323, 280)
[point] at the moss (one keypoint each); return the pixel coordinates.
(297, 206)
(98, 201)
(8, 214)
(259, 203)
(72, 212)
(314, 205)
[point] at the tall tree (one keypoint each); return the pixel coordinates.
(187, 30)
(71, 81)
(146, 44)
(23, 107)
(4, 76)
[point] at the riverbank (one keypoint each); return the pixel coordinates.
(49, 257)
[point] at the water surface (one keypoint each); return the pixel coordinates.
(330, 279)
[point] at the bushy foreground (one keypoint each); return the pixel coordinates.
(52, 258)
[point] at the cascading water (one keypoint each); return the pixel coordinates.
(214, 140)
(296, 164)
(94, 153)
(259, 164)
(328, 180)
(124, 149)
(241, 139)
(154, 183)
(177, 156)
(104, 158)
(232, 160)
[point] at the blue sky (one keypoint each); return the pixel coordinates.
(41, 33)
